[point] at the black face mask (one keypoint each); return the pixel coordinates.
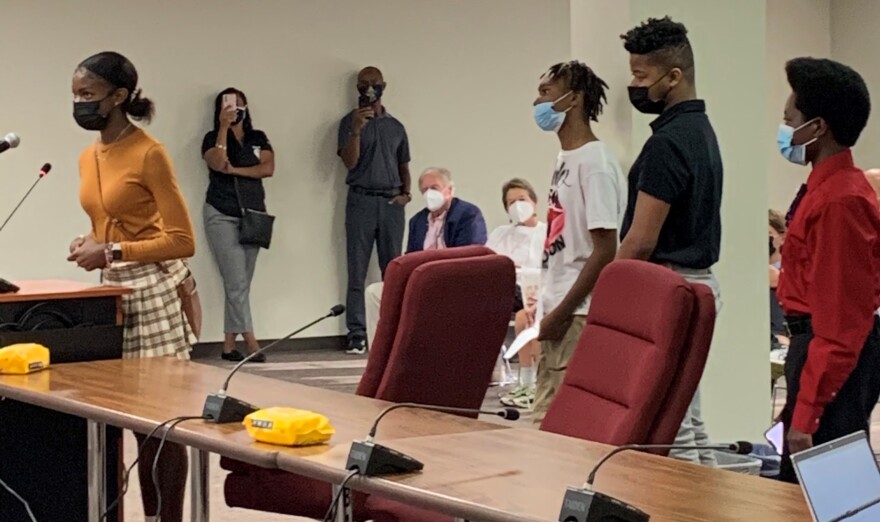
(88, 115)
(369, 94)
(641, 100)
(239, 116)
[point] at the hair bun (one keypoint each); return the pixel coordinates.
(139, 108)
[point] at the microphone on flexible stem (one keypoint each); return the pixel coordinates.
(586, 505)
(221, 408)
(371, 459)
(10, 141)
(44, 171)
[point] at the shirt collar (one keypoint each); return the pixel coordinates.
(438, 219)
(677, 109)
(828, 167)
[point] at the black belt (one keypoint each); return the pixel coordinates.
(374, 193)
(799, 324)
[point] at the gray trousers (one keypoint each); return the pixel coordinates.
(693, 430)
(236, 263)
(368, 220)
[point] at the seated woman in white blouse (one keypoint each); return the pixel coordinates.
(522, 241)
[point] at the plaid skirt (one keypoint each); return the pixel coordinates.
(155, 324)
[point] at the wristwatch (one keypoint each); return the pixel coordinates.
(116, 252)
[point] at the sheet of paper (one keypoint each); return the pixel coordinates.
(524, 337)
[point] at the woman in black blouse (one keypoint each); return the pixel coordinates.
(238, 159)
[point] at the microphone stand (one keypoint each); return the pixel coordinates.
(370, 459)
(221, 408)
(642, 447)
(28, 193)
(587, 505)
(7, 287)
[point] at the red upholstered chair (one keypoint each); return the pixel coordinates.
(690, 371)
(627, 355)
(397, 275)
(460, 289)
(455, 317)
(624, 365)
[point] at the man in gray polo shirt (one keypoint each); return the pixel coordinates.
(375, 150)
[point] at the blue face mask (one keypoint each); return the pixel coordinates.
(794, 153)
(548, 118)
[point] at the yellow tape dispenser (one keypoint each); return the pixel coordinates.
(23, 358)
(288, 427)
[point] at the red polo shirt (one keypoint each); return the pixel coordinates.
(831, 272)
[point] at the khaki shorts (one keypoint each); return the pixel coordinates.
(552, 363)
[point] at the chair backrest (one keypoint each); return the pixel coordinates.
(690, 371)
(397, 275)
(454, 318)
(626, 357)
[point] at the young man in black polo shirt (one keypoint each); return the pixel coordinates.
(673, 214)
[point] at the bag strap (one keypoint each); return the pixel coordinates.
(112, 220)
(118, 224)
(238, 194)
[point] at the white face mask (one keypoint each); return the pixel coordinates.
(434, 199)
(520, 211)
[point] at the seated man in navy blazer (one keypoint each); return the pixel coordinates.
(446, 221)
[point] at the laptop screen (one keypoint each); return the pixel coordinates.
(840, 476)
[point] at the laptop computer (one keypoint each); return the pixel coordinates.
(840, 480)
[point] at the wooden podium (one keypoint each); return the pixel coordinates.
(44, 453)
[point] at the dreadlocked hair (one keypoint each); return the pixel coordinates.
(578, 77)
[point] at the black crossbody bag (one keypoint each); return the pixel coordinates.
(255, 227)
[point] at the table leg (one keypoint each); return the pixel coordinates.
(343, 506)
(97, 469)
(199, 485)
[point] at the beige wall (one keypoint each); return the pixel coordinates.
(794, 28)
(461, 75)
(855, 42)
(596, 26)
(463, 82)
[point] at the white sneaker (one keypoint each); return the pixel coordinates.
(356, 348)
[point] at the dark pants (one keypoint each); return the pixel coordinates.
(368, 219)
(850, 411)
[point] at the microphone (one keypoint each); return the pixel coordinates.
(44, 171)
(10, 141)
(370, 459)
(586, 505)
(220, 408)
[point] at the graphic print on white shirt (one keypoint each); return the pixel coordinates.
(587, 193)
(555, 243)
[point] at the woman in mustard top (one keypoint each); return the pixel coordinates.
(141, 232)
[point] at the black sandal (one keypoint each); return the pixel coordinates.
(234, 356)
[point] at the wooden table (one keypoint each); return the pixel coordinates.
(138, 394)
(473, 469)
(520, 475)
(51, 289)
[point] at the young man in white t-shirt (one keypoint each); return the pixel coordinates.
(587, 202)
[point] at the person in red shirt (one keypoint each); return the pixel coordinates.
(829, 286)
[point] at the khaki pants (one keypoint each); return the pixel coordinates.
(552, 363)
(372, 304)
